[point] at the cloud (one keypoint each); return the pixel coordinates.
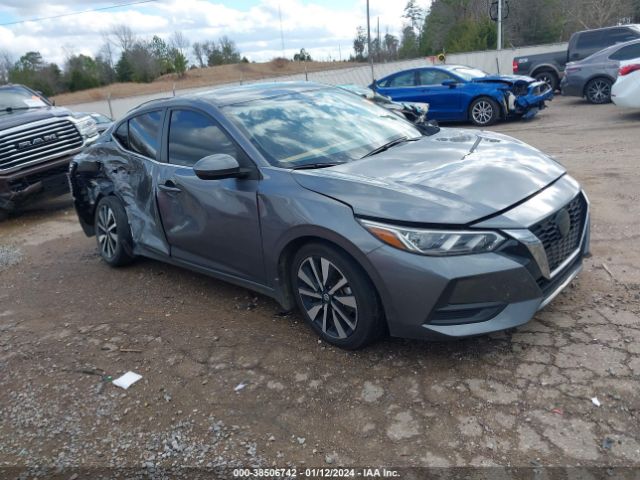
(324, 29)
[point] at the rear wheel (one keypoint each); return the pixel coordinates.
(549, 77)
(484, 111)
(598, 91)
(336, 297)
(112, 232)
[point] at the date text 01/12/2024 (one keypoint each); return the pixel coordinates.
(315, 473)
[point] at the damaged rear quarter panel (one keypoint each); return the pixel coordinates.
(105, 169)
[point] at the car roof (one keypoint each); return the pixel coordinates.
(237, 94)
(635, 26)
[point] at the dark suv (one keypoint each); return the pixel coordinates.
(37, 141)
(550, 67)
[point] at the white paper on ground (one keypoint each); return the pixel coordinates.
(126, 380)
(595, 401)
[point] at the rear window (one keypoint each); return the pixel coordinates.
(627, 53)
(143, 134)
(406, 79)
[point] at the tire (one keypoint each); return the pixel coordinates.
(598, 91)
(113, 234)
(484, 111)
(549, 77)
(349, 317)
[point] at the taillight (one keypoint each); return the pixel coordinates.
(627, 69)
(515, 66)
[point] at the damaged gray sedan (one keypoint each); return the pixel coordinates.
(324, 201)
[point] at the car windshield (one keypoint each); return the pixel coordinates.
(318, 127)
(469, 73)
(19, 98)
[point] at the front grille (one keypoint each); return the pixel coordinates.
(549, 230)
(37, 142)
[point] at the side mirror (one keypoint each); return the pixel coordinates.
(218, 166)
(450, 83)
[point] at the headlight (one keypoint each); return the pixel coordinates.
(86, 126)
(435, 242)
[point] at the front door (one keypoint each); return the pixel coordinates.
(444, 100)
(212, 223)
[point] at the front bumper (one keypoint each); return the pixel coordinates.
(23, 186)
(532, 102)
(453, 297)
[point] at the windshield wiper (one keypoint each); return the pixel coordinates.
(13, 109)
(390, 144)
(310, 166)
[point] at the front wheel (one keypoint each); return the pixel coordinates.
(484, 111)
(112, 232)
(336, 297)
(598, 91)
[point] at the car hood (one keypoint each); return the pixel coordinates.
(22, 117)
(454, 177)
(508, 79)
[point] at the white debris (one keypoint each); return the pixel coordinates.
(126, 380)
(595, 401)
(239, 387)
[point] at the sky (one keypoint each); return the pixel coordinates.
(325, 28)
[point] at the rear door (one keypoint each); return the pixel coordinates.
(133, 168)
(445, 102)
(210, 223)
(401, 87)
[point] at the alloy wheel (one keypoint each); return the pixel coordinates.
(107, 231)
(599, 91)
(327, 297)
(482, 112)
(548, 79)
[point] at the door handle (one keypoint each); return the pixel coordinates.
(169, 187)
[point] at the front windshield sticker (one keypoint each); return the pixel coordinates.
(34, 102)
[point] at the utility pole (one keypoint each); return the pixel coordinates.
(499, 25)
(281, 31)
(373, 78)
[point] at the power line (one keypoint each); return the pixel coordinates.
(77, 13)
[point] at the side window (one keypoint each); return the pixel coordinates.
(122, 134)
(406, 79)
(589, 40)
(619, 35)
(627, 53)
(143, 134)
(193, 136)
(433, 77)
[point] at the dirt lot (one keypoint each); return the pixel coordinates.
(201, 77)
(522, 398)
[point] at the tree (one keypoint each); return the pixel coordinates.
(302, 56)
(199, 53)
(390, 46)
(31, 70)
(124, 37)
(81, 73)
(414, 14)
(124, 69)
(179, 42)
(179, 62)
(359, 44)
(408, 43)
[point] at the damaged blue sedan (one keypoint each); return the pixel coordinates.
(458, 93)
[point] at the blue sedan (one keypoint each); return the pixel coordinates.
(459, 93)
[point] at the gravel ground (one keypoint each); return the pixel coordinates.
(228, 380)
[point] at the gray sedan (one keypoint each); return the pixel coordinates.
(593, 77)
(325, 201)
